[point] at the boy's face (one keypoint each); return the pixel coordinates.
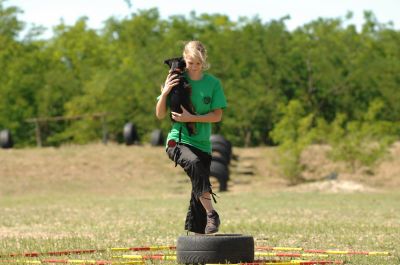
(193, 65)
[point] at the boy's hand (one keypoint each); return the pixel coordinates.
(170, 82)
(185, 116)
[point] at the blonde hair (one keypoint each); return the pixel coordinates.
(196, 50)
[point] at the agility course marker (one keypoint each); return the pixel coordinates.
(21, 261)
(71, 261)
(147, 257)
(54, 253)
(87, 251)
(151, 248)
(350, 252)
(293, 255)
(332, 252)
(154, 248)
(292, 262)
(107, 262)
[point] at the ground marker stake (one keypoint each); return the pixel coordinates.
(333, 252)
(273, 254)
(147, 257)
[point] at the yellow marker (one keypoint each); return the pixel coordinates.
(376, 253)
(128, 262)
(273, 263)
(265, 263)
(314, 255)
(131, 256)
(78, 261)
(119, 249)
(336, 252)
(159, 247)
(268, 254)
(273, 254)
(287, 249)
(155, 257)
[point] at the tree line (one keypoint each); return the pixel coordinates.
(326, 73)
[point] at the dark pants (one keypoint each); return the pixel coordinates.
(196, 164)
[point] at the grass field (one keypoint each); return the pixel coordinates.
(98, 197)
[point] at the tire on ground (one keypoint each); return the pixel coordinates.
(6, 139)
(157, 138)
(220, 248)
(130, 134)
(220, 171)
(216, 156)
(217, 138)
(223, 150)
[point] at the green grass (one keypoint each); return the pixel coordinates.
(369, 222)
(101, 197)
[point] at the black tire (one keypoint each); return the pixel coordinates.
(216, 156)
(217, 138)
(223, 150)
(130, 134)
(219, 248)
(6, 139)
(157, 138)
(221, 172)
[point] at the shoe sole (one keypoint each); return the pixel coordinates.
(212, 232)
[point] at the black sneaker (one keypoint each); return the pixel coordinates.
(212, 222)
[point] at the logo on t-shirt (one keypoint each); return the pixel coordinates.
(207, 100)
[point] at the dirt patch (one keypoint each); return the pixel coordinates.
(385, 175)
(333, 186)
(110, 169)
(255, 169)
(116, 169)
(320, 173)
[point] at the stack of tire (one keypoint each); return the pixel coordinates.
(130, 134)
(221, 158)
(157, 138)
(6, 140)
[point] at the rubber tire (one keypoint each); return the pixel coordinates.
(221, 172)
(130, 134)
(217, 138)
(219, 248)
(6, 139)
(157, 138)
(221, 159)
(223, 150)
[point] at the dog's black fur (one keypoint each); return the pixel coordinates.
(180, 94)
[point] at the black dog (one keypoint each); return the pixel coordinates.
(180, 94)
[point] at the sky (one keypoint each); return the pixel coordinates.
(49, 13)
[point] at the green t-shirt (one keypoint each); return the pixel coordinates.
(207, 95)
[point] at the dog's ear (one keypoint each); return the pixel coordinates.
(169, 62)
(181, 63)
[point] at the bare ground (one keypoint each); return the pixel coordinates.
(116, 169)
(384, 176)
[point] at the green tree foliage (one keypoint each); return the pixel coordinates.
(362, 142)
(18, 73)
(292, 133)
(313, 84)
